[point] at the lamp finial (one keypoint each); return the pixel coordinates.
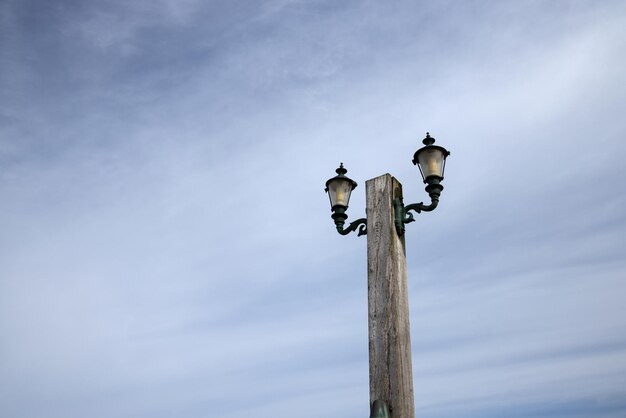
(429, 140)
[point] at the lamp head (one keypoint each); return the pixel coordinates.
(431, 160)
(339, 189)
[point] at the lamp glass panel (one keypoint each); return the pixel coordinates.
(339, 192)
(431, 162)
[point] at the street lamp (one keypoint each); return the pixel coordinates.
(431, 161)
(391, 382)
(339, 189)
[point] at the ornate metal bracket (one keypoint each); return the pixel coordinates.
(403, 216)
(353, 226)
(380, 409)
(339, 216)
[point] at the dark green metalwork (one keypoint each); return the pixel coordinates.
(339, 216)
(353, 226)
(380, 409)
(339, 211)
(401, 213)
(434, 188)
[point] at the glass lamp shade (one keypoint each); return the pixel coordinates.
(339, 188)
(339, 191)
(431, 161)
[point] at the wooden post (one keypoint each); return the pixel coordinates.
(391, 374)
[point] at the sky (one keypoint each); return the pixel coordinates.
(167, 248)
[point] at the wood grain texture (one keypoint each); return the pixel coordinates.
(391, 375)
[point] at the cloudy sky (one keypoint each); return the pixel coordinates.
(167, 248)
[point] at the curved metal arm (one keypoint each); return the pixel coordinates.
(402, 214)
(421, 207)
(353, 226)
(339, 216)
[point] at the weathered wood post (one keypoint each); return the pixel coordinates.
(391, 375)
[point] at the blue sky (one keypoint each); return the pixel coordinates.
(167, 248)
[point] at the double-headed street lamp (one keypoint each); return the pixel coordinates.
(431, 160)
(391, 381)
